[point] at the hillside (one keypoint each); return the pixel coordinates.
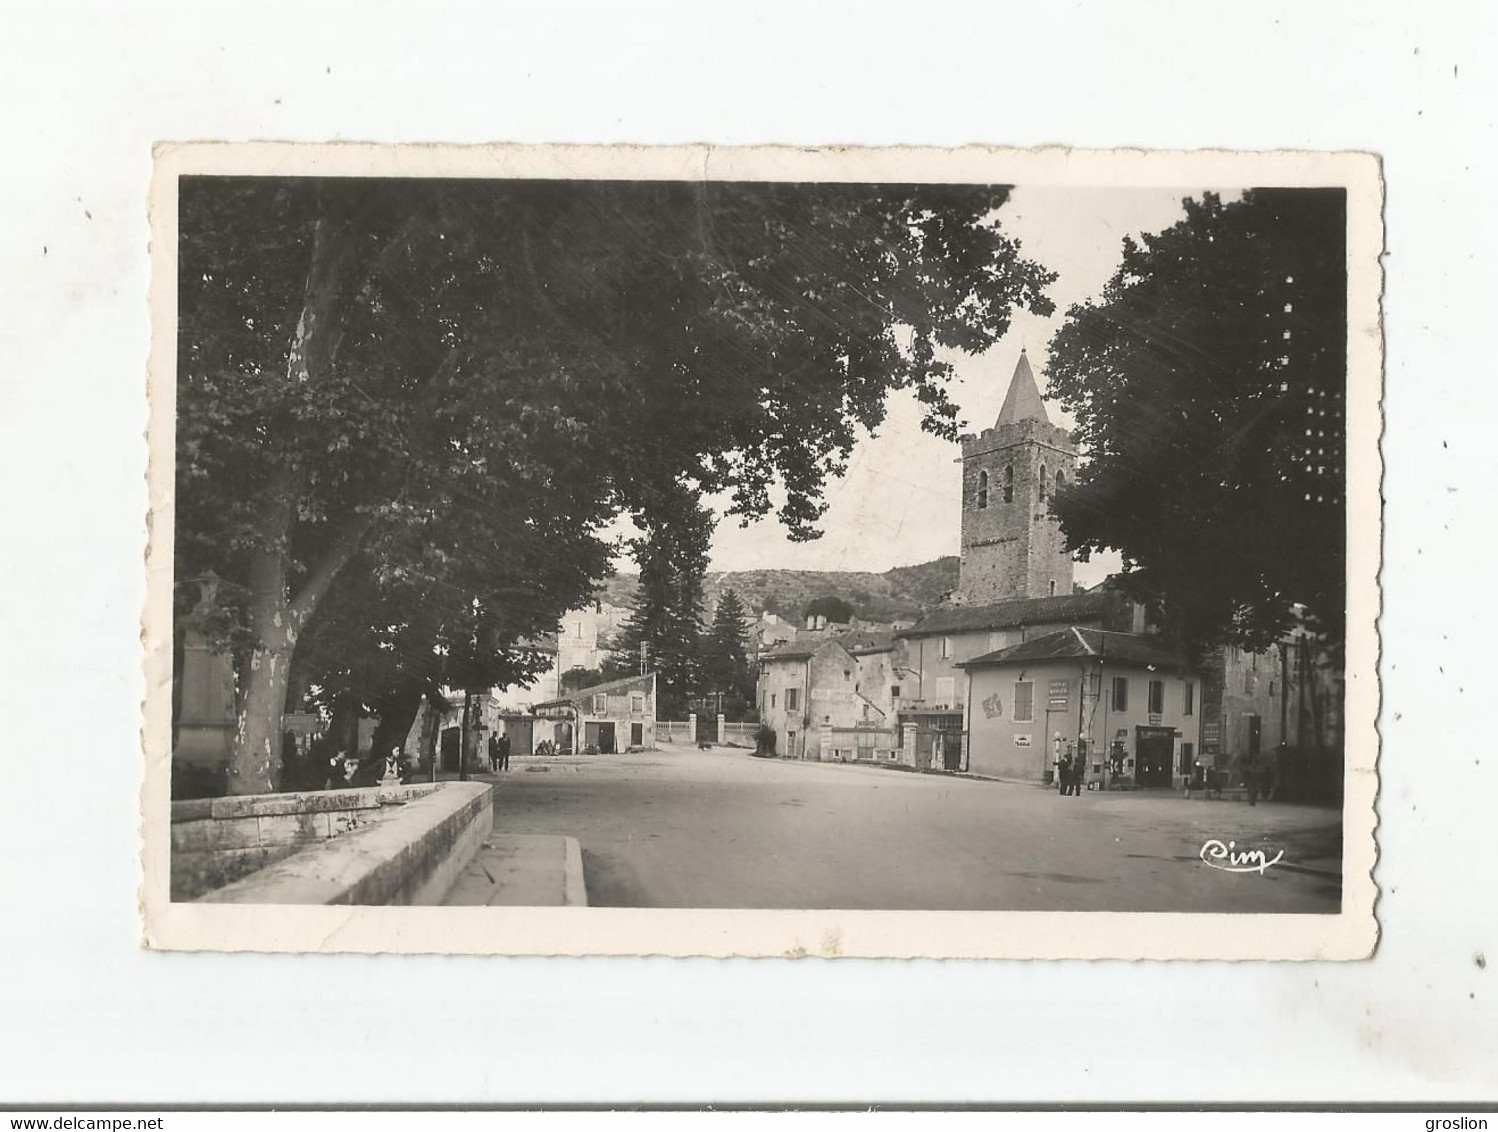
(903, 592)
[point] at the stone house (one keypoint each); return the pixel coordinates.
(808, 689)
(614, 716)
(1120, 699)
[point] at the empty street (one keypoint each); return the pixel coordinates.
(685, 828)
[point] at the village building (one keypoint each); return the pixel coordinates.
(770, 630)
(1128, 704)
(1020, 665)
(934, 698)
(1015, 578)
(831, 698)
(607, 718)
(583, 640)
(1280, 709)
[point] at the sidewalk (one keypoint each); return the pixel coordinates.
(518, 870)
(522, 870)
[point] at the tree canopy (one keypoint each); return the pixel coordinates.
(1207, 384)
(419, 388)
(664, 632)
(835, 609)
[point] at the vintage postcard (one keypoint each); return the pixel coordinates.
(763, 552)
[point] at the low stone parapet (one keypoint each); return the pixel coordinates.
(378, 845)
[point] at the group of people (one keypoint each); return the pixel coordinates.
(1070, 770)
(499, 753)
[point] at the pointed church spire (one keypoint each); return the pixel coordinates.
(1023, 401)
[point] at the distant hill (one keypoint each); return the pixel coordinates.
(903, 592)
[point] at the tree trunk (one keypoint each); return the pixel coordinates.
(430, 735)
(274, 617)
(397, 714)
(255, 764)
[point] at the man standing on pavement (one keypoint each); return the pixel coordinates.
(1063, 774)
(504, 751)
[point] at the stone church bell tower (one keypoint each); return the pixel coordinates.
(1012, 547)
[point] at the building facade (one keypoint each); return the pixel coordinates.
(934, 695)
(604, 719)
(1128, 704)
(1280, 708)
(831, 695)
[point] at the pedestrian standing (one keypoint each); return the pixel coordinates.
(1063, 774)
(1078, 768)
(504, 752)
(493, 754)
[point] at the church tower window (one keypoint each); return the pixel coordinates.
(1008, 483)
(1041, 484)
(982, 490)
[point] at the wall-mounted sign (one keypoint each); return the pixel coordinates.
(1211, 732)
(833, 695)
(1022, 740)
(301, 722)
(1155, 719)
(1060, 693)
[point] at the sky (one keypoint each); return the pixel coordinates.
(899, 503)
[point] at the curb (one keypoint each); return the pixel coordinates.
(574, 886)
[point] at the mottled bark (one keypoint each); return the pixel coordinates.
(255, 765)
(275, 616)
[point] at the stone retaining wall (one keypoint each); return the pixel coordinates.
(377, 845)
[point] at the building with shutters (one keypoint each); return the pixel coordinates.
(1127, 702)
(607, 718)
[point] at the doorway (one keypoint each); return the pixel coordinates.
(636, 734)
(1153, 748)
(599, 736)
(522, 736)
(452, 738)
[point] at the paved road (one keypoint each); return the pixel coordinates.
(681, 828)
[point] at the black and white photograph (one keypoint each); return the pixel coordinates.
(710, 531)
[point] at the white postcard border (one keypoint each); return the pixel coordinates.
(1351, 934)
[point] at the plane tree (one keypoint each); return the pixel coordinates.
(1207, 383)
